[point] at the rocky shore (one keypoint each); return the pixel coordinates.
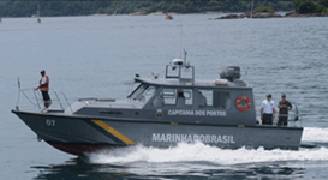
(270, 15)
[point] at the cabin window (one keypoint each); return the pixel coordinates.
(205, 98)
(169, 96)
(143, 93)
(186, 72)
(148, 93)
(172, 71)
(220, 99)
(188, 96)
(136, 91)
(184, 97)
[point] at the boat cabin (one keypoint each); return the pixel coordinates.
(180, 98)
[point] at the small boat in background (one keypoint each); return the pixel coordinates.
(168, 17)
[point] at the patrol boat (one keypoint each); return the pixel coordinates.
(162, 112)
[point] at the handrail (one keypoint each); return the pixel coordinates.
(66, 100)
(36, 100)
(32, 97)
(60, 104)
(293, 116)
(18, 92)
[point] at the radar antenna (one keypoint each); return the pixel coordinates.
(184, 56)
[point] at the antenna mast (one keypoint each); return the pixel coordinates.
(181, 39)
(184, 55)
(252, 3)
(38, 13)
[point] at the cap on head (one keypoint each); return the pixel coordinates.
(283, 95)
(269, 95)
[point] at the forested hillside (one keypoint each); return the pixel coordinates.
(26, 8)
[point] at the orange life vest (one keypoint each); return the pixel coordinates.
(44, 86)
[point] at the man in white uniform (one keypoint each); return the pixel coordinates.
(267, 111)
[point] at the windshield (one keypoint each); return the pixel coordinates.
(142, 93)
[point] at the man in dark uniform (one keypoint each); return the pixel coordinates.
(284, 106)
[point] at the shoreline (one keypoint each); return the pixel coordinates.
(265, 15)
(221, 15)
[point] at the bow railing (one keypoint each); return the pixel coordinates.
(31, 99)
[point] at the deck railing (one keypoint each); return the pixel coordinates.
(31, 99)
(294, 117)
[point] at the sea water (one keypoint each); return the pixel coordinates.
(98, 56)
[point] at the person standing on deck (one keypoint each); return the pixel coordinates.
(267, 111)
(44, 88)
(284, 106)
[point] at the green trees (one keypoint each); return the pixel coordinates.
(26, 8)
(264, 8)
(308, 6)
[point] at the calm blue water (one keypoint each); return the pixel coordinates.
(97, 56)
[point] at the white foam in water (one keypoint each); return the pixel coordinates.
(314, 134)
(200, 152)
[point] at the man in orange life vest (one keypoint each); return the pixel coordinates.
(44, 88)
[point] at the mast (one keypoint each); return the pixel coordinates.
(38, 13)
(184, 56)
(252, 3)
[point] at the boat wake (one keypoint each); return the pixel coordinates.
(315, 135)
(204, 153)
